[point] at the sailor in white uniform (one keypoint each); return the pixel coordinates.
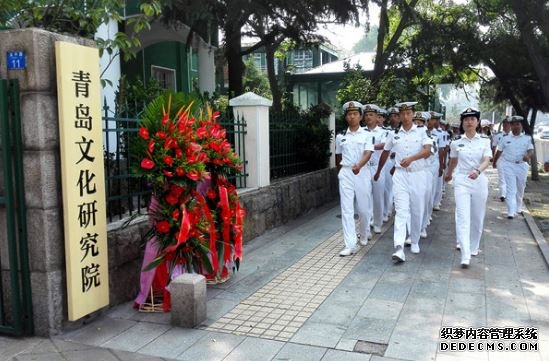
(442, 144)
(411, 146)
(421, 119)
(353, 151)
(394, 125)
(469, 156)
(379, 136)
(496, 139)
(515, 151)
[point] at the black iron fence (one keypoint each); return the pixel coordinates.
(299, 142)
(128, 194)
(284, 136)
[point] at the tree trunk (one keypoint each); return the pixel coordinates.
(383, 53)
(534, 160)
(534, 50)
(273, 82)
(233, 49)
(382, 31)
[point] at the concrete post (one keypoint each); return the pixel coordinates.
(254, 109)
(41, 167)
(188, 293)
(206, 68)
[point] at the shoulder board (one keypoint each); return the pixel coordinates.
(457, 137)
(504, 135)
(485, 136)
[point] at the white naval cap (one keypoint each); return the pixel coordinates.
(516, 118)
(370, 108)
(423, 116)
(405, 105)
(383, 111)
(393, 110)
(507, 119)
(436, 115)
(485, 123)
(352, 105)
(470, 112)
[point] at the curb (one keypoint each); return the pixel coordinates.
(538, 236)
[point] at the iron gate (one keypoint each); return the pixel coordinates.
(15, 291)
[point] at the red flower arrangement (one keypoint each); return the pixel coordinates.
(186, 158)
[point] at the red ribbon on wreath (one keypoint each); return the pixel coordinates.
(183, 231)
(226, 216)
(239, 215)
(213, 236)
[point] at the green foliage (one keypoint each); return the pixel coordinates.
(393, 87)
(82, 18)
(255, 81)
(355, 85)
(308, 134)
(314, 147)
(133, 94)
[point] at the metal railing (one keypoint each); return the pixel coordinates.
(15, 287)
(236, 135)
(284, 136)
(128, 194)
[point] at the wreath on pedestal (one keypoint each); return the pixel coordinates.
(196, 219)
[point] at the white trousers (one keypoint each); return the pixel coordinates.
(515, 180)
(471, 196)
(409, 196)
(428, 209)
(501, 179)
(388, 193)
(378, 197)
(437, 186)
(351, 186)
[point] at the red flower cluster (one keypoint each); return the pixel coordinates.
(186, 159)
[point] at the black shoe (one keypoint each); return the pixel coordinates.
(502, 199)
(509, 217)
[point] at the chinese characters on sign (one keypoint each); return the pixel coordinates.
(83, 178)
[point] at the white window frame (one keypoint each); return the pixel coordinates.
(173, 71)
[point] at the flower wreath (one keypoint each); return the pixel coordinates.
(196, 218)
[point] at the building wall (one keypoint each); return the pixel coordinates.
(169, 54)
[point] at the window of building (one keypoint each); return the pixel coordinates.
(260, 62)
(164, 76)
(303, 60)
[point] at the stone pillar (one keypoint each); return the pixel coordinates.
(254, 109)
(188, 295)
(42, 167)
(206, 68)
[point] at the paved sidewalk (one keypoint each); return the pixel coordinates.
(295, 299)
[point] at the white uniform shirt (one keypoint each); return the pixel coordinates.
(470, 152)
(438, 142)
(515, 147)
(443, 138)
(407, 143)
(352, 145)
(496, 139)
(379, 136)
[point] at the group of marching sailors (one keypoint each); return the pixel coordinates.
(401, 158)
